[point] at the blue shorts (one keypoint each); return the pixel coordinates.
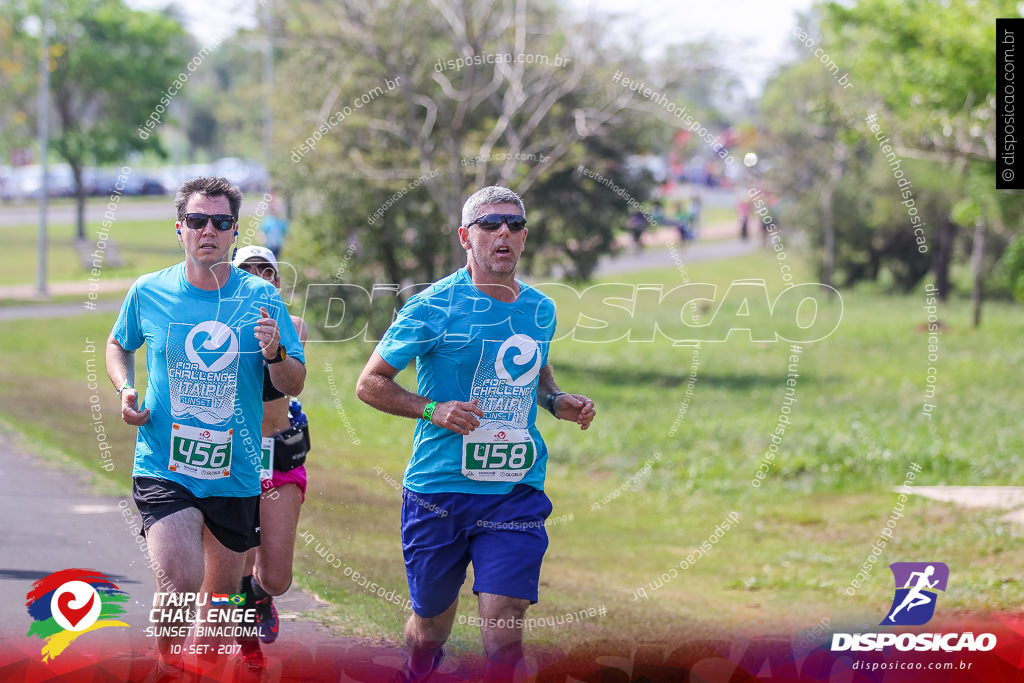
(503, 536)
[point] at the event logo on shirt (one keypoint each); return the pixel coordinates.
(504, 383)
(521, 364)
(202, 370)
(220, 346)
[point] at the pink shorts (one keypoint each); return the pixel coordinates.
(296, 476)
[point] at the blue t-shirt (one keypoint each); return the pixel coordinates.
(470, 345)
(204, 383)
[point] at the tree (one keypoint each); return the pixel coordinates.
(812, 140)
(414, 114)
(111, 69)
(931, 69)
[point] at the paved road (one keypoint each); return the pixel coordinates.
(662, 257)
(52, 521)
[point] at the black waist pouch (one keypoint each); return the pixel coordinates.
(290, 448)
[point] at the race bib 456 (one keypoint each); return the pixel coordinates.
(199, 452)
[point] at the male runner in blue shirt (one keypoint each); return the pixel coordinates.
(474, 488)
(208, 328)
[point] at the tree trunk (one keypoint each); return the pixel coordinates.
(76, 171)
(828, 213)
(942, 255)
(977, 258)
(828, 227)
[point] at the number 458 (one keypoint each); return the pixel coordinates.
(498, 455)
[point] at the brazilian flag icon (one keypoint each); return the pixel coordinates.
(237, 599)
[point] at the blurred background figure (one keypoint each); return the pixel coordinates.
(637, 226)
(683, 221)
(743, 209)
(695, 210)
(274, 226)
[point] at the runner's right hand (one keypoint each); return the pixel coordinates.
(457, 416)
(130, 412)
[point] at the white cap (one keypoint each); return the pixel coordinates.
(253, 251)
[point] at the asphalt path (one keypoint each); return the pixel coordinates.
(53, 521)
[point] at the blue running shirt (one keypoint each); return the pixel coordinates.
(470, 345)
(204, 383)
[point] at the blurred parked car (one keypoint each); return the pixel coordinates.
(28, 181)
(248, 175)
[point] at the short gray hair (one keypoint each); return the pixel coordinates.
(494, 194)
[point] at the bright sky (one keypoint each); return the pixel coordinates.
(757, 31)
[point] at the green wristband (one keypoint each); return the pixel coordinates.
(428, 411)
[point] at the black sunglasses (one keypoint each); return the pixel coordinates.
(221, 221)
(493, 221)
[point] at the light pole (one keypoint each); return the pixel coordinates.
(44, 140)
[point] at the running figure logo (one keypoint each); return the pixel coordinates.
(917, 586)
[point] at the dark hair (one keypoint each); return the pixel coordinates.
(208, 186)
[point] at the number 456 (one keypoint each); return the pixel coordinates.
(203, 453)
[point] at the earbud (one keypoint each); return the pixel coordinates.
(236, 233)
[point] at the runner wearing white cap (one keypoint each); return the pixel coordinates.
(268, 567)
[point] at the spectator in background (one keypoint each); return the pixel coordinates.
(743, 208)
(682, 221)
(657, 213)
(637, 226)
(695, 208)
(274, 227)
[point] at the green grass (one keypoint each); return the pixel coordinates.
(144, 245)
(856, 427)
(139, 244)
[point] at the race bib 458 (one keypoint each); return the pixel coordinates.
(497, 454)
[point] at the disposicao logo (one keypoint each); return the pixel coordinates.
(917, 586)
(71, 602)
(917, 589)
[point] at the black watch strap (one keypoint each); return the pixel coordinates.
(550, 400)
(281, 355)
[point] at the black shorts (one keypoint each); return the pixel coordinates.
(234, 521)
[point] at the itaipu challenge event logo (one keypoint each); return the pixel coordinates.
(70, 603)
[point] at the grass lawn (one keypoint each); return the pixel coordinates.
(144, 244)
(659, 470)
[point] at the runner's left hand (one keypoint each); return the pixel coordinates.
(575, 408)
(267, 333)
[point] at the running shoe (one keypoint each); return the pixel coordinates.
(407, 675)
(266, 620)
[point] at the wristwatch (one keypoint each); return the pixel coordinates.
(281, 355)
(550, 400)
